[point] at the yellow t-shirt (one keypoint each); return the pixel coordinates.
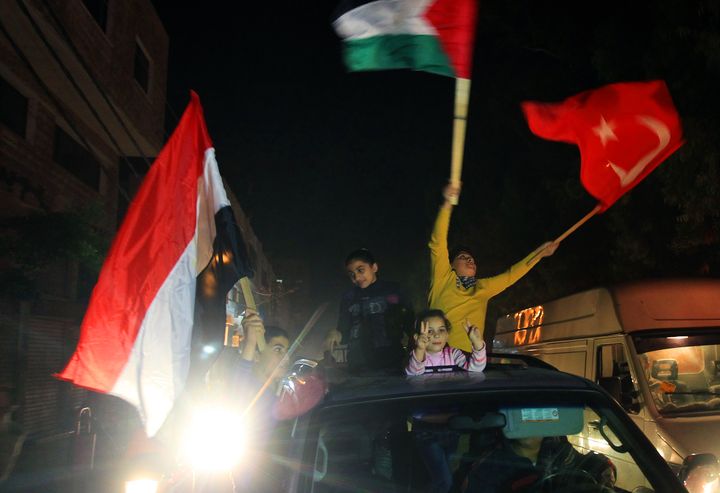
(458, 303)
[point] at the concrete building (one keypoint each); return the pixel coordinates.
(82, 105)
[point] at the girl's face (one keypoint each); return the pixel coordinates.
(438, 334)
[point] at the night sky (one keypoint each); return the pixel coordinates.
(325, 161)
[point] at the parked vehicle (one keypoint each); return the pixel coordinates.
(653, 345)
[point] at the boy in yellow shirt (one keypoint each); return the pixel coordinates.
(454, 288)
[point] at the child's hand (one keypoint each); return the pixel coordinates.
(547, 249)
(332, 339)
(475, 335)
(254, 330)
(422, 339)
(451, 194)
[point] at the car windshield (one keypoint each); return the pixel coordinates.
(682, 371)
(473, 443)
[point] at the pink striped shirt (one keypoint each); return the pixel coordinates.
(449, 356)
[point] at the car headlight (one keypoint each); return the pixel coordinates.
(141, 486)
(214, 440)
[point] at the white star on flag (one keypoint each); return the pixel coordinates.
(605, 131)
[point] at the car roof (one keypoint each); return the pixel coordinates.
(495, 377)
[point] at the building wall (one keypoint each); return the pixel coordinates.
(38, 335)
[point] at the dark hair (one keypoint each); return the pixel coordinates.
(362, 254)
(273, 331)
(457, 250)
(431, 312)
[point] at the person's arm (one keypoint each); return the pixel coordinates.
(439, 262)
(254, 330)
(416, 362)
(478, 359)
(501, 282)
(335, 336)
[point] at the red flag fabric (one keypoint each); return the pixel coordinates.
(623, 130)
(135, 339)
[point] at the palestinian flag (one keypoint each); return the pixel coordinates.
(430, 35)
(136, 337)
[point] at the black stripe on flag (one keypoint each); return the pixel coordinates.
(229, 263)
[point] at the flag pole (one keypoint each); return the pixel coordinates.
(570, 230)
(250, 303)
(462, 97)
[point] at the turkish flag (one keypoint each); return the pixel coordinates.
(623, 130)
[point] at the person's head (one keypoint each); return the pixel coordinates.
(463, 261)
(438, 329)
(277, 343)
(361, 267)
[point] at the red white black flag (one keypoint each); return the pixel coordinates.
(135, 339)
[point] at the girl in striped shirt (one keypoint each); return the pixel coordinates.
(432, 353)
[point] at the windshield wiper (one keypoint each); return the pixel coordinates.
(693, 392)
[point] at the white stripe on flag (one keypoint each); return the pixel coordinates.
(385, 17)
(157, 369)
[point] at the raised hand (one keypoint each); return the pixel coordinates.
(421, 341)
(547, 248)
(451, 194)
(475, 335)
(254, 330)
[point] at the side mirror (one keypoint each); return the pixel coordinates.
(700, 473)
(614, 387)
(301, 390)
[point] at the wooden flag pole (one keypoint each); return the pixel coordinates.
(249, 303)
(570, 230)
(462, 97)
(247, 294)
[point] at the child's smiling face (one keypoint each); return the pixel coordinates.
(438, 334)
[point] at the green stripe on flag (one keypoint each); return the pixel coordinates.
(417, 52)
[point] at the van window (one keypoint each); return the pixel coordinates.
(682, 371)
(612, 362)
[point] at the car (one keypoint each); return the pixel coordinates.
(520, 425)
(391, 433)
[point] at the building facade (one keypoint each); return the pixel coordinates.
(82, 92)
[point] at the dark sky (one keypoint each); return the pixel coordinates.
(325, 161)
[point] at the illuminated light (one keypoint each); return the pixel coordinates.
(529, 320)
(214, 440)
(141, 486)
(677, 337)
(226, 257)
(535, 335)
(209, 349)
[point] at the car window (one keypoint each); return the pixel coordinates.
(470, 445)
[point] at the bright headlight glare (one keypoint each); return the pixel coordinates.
(141, 486)
(214, 440)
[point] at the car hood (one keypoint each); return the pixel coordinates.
(691, 435)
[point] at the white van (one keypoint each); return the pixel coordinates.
(654, 345)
